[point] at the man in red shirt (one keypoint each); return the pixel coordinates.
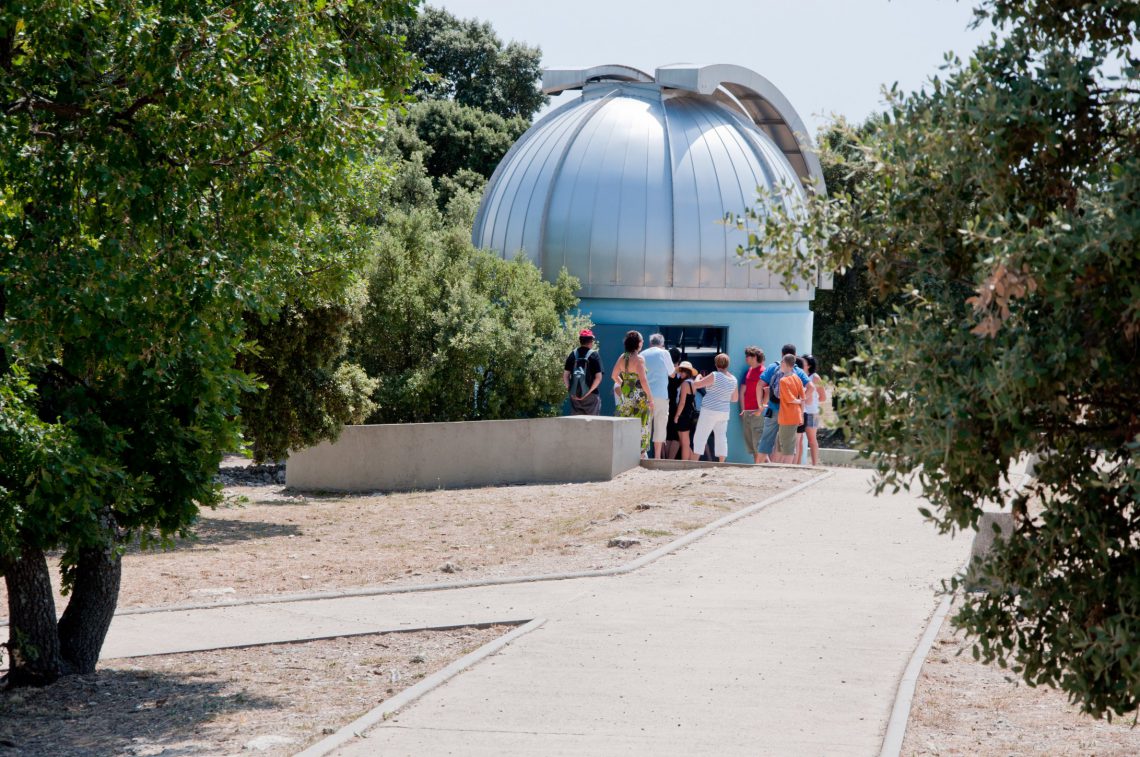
(752, 402)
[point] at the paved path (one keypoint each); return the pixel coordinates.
(784, 633)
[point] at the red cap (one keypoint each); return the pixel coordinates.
(586, 332)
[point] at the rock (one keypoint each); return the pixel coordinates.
(625, 542)
(216, 592)
(619, 516)
(265, 743)
(419, 657)
(449, 567)
(645, 506)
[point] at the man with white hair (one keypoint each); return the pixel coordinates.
(658, 369)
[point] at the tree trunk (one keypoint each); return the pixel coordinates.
(33, 643)
(94, 596)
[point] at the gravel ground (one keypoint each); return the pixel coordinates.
(267, 540)
(270, 700)
(963, 707)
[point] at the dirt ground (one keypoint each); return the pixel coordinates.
(270, 700)
(963, 707)
(267, 540)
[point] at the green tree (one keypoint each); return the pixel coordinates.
(160, 166)
(306, 391)
(454, 333)
(1004, 206)
(454, 137)
(853, 302)
(464, 60)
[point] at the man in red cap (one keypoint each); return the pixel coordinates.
(583, 375)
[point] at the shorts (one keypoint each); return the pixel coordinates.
(591, 404)
(811, 420)
(786, 440)
(753, 424)
(660, 419)
(768, 436)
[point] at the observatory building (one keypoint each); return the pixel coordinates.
(626, 187)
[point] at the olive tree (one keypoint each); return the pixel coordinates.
(1003, 208)
(160, 166)
(454, 333)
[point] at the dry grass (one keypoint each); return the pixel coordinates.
(962, 707)
(282, 542)
(271, 700)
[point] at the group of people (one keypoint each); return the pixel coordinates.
(679, 408)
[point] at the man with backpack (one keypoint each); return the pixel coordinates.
(583, 375)
(770, 387)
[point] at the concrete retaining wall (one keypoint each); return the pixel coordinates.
(395, 457)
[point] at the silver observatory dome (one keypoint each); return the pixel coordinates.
(626, 185)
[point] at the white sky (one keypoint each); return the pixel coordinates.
(826, 56)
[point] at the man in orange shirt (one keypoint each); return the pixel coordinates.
(791, 409)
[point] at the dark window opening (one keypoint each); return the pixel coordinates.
(698, 344)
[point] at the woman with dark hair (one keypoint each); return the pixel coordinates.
(814, 394)
(631, 387)
(685, 415)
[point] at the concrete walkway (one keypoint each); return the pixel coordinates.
(784, 633)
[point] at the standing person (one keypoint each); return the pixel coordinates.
(630, 387)
(582, 375)
(658, 367)
(791, 415)
(720, 390)
(672, 439)
(798, 457)
(770, 385)
(752, 403)
(815, 394)
(685, 416)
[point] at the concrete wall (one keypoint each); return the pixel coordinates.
(394, 457)
(768, 325)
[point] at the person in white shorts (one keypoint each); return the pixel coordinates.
(658, 368)
(720, 390)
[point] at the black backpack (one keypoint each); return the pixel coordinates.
(579, 385)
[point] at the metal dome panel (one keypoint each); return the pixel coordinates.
(625, 187)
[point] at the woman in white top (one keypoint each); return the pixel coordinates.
(814, 394)
(720, 390)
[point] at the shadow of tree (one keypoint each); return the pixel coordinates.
(216, 532)
(117, 711)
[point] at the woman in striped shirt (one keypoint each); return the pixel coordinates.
(720, 389)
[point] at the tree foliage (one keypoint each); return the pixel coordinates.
(853, 302)
(453, 137)
(1003, 206)
(454, 333)
(306, 391)
(464, 60)
(160, 168)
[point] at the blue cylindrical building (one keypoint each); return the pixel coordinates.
(627, 186)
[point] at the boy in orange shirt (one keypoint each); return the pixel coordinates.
(791, 409)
